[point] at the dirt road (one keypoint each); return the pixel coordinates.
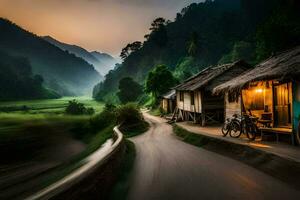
(167, 168)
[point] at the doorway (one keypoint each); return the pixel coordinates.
(283, 105)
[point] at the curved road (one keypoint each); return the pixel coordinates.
(168, 169)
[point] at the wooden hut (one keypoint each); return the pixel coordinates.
(271, 91)
(194, 96)
(168, 101)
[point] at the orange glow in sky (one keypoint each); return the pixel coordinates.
(103, 25)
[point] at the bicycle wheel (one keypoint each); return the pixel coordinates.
(225, 129)
(251, 132)
(235, 130)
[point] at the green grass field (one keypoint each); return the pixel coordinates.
(32, 131)
(41, 119)
(47, 106)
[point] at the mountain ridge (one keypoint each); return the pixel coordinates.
(102, 62)
(63, 72)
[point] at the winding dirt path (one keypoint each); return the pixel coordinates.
(167, 168)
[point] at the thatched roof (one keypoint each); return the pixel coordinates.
(213, 76)
(169, 95)
(284, 66)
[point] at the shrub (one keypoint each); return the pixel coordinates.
(129, 114)
(131, 120)
(110, 107)
(76, 108)
(90, 111)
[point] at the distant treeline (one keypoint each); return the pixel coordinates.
(18, 82)
(208, 33)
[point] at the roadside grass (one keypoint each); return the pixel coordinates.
(122, 186)
(189, 137)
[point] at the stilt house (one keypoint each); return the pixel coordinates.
(194, 96)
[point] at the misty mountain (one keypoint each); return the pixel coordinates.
(62, 72)
(109, 61)
(101, 61)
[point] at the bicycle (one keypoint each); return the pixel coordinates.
(231, 125)
(250, 126)
(236, 126)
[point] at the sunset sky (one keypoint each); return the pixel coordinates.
(103, 25)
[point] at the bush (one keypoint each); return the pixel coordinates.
(129, 114)
(76, 108)
(131, 120)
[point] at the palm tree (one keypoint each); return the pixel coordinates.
(193, 44)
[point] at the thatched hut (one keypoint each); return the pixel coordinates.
(271, 91)
(194, 96)
(168, 101)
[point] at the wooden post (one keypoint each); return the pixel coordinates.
(202, 119)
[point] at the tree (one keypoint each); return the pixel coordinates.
(193, 44)
(159, 81)
(279, 32)
(76, 108)
(241, 51)
(157, 24)
(130, 48)
(129, 90)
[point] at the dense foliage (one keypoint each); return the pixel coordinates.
(18, 82)
(128, 116)
(129, 90)
(159, 81)
(63, 72)
(131, 120)
(76, 108)
(209, 33)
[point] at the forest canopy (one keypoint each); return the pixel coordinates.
(209, 33)
(18, 82)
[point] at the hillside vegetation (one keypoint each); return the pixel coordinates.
(62, 72)
(101, 61)
(18, 82)
(208, 33)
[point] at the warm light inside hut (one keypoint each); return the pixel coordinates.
(259, 90)
(269, 100)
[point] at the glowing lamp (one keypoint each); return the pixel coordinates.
(259, 90)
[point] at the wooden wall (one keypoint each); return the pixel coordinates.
(186, 103)
(165, 105)
(232, 108)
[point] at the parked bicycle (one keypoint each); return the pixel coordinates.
(236, 126)
(231, 125)
(249, 125)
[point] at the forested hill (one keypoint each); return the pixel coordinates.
(206, 34)
(101, 61)
(63, 72)
(17, 81)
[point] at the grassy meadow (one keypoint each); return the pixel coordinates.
(33, 132)
(19, 117)
(46, 106)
